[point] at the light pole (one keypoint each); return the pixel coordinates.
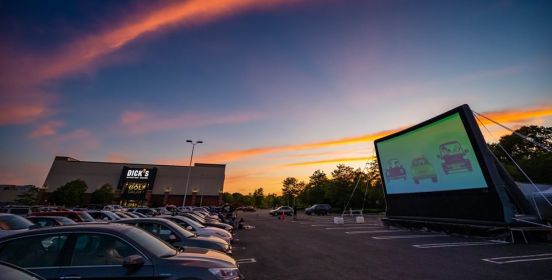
(190, 168)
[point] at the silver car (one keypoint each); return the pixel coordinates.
(198, 228)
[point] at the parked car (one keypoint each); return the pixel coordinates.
(114, 207)
(198, 228)
(77, 216)
(17, 210)
(11, 224)
(282, 209)
(111, 251)
(202, 221)
(318, 209)
(51, 221)
(103, 215)
(178, 236)
(422, 169)
(10, 271)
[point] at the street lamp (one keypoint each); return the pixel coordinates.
(190, 168)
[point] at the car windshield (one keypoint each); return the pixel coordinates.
(13, 222)
(197, 218)
(66, 221)
(151, 243)
(85, 217)
(182, 229)
(193, 223)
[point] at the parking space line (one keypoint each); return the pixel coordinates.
(516, 259)
(358, 227)
(374, 231)
(460, 244)
(242, 261)
(337, 225)
(408, 236)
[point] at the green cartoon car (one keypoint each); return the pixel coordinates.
(422, 169)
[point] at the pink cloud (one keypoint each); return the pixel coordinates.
(142, 123)
(24, 71)
(49, 128)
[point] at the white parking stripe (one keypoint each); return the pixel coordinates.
(515, 259)
(355, 227)
(348, 225)
(460, 244)
(408, 236)
(373, 231)
(242, 261)
(352, 227)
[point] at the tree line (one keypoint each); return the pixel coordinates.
(336, 190)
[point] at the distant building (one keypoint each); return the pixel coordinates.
(142, 184)
(9, 193)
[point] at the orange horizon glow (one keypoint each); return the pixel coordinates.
(237, 183)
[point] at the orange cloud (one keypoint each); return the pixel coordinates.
(30, 71)
(505, 116)
(46, 129)
(332, 161)
(517, 116)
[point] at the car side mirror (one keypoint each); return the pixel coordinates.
(133, 262)
(190, 228)
(105, 219)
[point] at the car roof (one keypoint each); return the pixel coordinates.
(112, 228)
(48, 217)
(152, 219)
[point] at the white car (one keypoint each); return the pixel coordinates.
(198, 228)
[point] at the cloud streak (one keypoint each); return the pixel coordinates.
(504, 116)
(24, 74)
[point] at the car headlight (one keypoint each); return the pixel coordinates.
(225, 273)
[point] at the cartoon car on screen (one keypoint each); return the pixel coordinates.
(422, 169)
(395, 170)
(452, 157)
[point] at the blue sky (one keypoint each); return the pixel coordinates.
(259, 82)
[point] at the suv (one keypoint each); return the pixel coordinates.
(318, 209)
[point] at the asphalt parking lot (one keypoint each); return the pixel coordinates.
(312, 247)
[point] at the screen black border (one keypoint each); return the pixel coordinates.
(487, 200)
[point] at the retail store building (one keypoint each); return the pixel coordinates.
(142, 184)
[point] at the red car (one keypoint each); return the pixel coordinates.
(395, 170)
(77, 216)
(452, 155)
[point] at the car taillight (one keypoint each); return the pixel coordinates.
(225, 273)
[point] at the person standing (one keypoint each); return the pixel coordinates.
(295, 212)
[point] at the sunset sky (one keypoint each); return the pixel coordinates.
(275, 88)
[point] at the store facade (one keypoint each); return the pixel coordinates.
(142, 184)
